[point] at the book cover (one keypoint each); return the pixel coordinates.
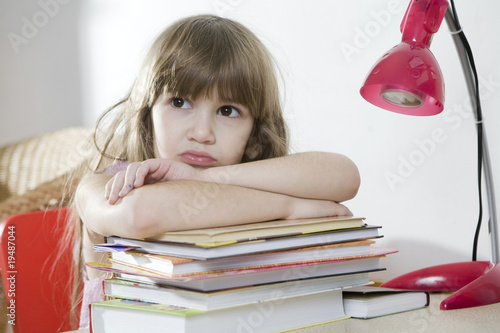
(114, 244)
(165, 264)
(206, 301)
(269, 316)
(262, 230)
(369, 302)
(217, 280)
(309, 261)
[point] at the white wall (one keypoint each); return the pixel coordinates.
(84, 56)
(39, 68)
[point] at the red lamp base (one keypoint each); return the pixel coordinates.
(475, 283)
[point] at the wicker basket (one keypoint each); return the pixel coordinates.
(34, 172)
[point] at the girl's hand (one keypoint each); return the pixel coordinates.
(311, 208)
(147, 172)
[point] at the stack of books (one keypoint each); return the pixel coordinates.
(259, 277)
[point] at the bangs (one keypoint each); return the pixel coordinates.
(227, 82)
(207, 59)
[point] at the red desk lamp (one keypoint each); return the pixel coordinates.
(408, 80)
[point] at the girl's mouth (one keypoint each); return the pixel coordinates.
(199, 158)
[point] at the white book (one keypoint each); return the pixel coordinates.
(114, 244)
(368, 302)
(206, 301)
(123, 316)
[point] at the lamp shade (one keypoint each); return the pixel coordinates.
(407, 79)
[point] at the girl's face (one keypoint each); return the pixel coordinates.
(204, 133)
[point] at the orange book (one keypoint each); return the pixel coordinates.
(165, 264)
(246, 276)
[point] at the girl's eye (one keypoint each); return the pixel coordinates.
(180, 103)
(228, 111)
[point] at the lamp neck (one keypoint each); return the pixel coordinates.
(422, 19)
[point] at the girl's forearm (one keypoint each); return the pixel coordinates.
(313, 175)
(181, 205)
(175, 205)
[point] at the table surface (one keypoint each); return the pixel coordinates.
(429, 320)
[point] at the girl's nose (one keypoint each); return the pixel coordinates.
(202, 129)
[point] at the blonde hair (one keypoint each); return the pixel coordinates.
(193, 57)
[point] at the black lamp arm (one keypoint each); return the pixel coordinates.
(483, 151)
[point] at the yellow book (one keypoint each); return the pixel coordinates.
(219, 250)
(210, 237)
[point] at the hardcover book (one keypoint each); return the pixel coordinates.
(164, 264)
(214, 300)
(217, 280)
(262, 230)
(270, 316)
(114, 244)
(368, 302)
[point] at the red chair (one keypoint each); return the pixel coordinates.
(36, 273)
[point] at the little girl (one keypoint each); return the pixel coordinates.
(199, 142)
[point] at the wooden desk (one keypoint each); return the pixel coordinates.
(483, 319)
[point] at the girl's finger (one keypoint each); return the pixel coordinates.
(129, 179)
(116, 185)
(148, 172)
(107, 188)
(142, 172)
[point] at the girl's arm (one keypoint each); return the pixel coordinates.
(314, 175)
(186, 204)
